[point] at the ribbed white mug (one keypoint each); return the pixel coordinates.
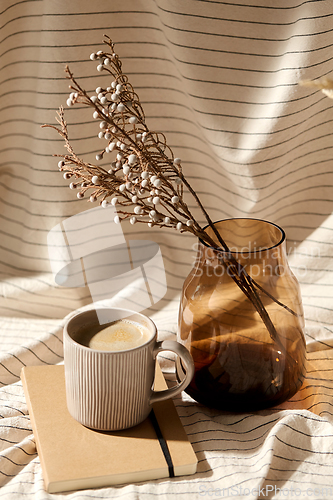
(112, 390)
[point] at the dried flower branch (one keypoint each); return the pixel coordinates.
(323, 84)
(145, 181)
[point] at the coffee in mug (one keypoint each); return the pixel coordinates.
(110, 368)
(116, 336)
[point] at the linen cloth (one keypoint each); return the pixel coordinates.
(220, 79)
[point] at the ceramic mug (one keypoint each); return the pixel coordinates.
(109, 389)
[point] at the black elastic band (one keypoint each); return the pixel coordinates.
(163, 443)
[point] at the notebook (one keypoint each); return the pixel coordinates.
(74, 457)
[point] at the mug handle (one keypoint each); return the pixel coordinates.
(185, 356)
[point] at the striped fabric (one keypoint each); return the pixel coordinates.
(220, 79)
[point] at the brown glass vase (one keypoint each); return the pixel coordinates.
(247, 342)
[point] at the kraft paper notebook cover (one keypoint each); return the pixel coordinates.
(74, 457)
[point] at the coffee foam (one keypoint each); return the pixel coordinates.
(120, 336)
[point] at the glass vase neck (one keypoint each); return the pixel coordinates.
(245, 236)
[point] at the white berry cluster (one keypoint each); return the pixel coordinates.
(142, 177)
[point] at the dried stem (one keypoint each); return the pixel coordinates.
(145, 181)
